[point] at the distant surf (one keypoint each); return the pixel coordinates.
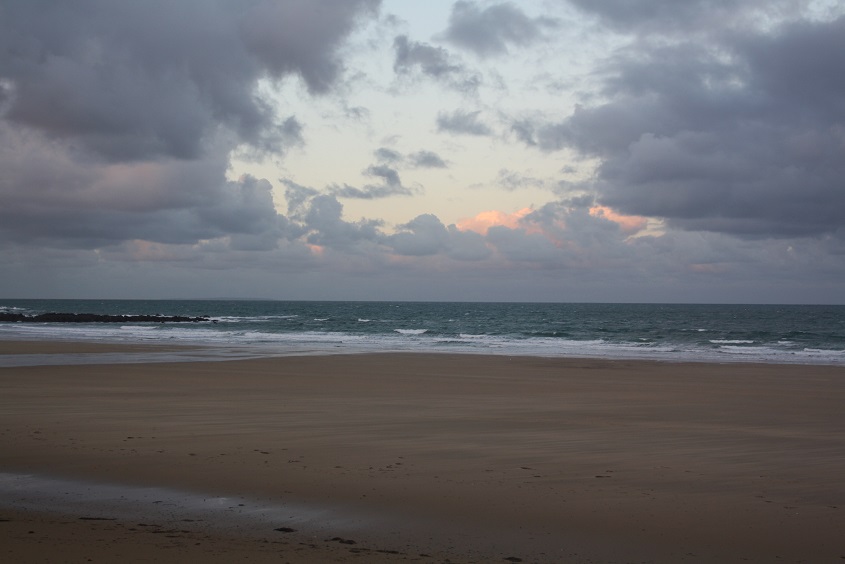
(670, 332)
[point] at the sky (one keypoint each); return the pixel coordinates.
(541, 150)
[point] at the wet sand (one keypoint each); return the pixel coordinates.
(423, 457)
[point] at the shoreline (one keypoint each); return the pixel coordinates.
(68, 351)
(466, 457)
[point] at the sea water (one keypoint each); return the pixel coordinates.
(809, 334)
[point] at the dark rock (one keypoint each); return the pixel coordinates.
(12, 317)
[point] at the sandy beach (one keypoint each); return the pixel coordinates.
(420, 457)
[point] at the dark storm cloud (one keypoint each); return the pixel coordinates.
(433, 62)
(301, 36)
(118, 118)
(73, 205)
(134, 80)
(462, 122)
(489, 31)
(744, 139)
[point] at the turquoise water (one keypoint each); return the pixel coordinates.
(724, 333)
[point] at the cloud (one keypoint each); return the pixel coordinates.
(302, 36)
(285, 136)
(556, 235)
(524, 130)
(629, 224)
(325, 227)
(119, 119)
(385, 155)
(389, 175)
(462, 122)
(391, 185)
(519, 246)
(669, 17)
(425, 235)
(711, 152)
(571, 233)
(482, 222)
(433, 62)
(132, 81)
(512, 180)
(418, 159)
(51, 198)
(427, 159)
(316, 218)
(745, 139)
(488, 32)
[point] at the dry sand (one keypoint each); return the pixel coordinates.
(423, 457)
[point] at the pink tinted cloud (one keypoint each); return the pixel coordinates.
(629, 224)
(482, 222)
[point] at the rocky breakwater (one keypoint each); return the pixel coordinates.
(96, 318)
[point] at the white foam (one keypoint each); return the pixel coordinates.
(825, 352)
(266, 343)
(761, 352)
(250, 319)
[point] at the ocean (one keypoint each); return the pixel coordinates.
(804, 334)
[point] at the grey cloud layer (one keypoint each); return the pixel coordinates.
(391, 185)
(418, 159)
(488, 31)
(132, 80)
(50, 199)
(118, 117)
(699, 17)
(463, 122)
(744, 139)
(433, 62)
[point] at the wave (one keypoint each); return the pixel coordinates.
(682, 334)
